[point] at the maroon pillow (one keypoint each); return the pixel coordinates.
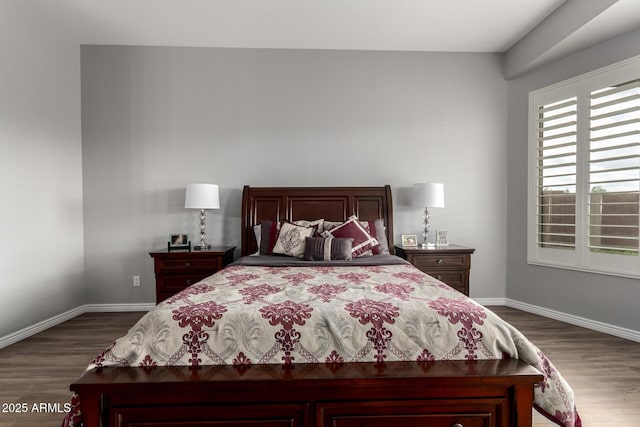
(268, 236)
(363, 242)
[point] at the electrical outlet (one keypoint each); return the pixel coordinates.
(136, 280)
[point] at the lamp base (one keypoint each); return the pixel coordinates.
(428, 245)
(201, 248)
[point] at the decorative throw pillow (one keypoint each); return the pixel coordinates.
(377, 230)
(317, 223)
(257, 231)
(327, 248)
(269, 231)
(329, 225)
(363, 242)
(291, 239)
(268, 236)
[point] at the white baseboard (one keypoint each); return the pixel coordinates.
(68, 315)
(111, 308)
(39, 327)
(605, 328)
(491, 301)
(616, 331)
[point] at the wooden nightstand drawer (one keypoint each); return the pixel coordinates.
(449, 277)
(450, 264)
(176, 271)
(184, 265)
(456, 279)
(177, 283)
(169, 285)
(439, 260)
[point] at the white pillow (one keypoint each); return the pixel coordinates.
(291, 240)
(257, 231)
(318, 223)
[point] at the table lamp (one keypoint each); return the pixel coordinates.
(427, 195)
(202, 196)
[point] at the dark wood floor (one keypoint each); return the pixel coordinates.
(69, 347)
(603, 370)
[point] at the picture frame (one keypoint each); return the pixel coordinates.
(409, 240)
(442, 238)
(178, 242)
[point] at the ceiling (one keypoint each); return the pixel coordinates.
(413, 25)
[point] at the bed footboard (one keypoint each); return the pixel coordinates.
(487, 393)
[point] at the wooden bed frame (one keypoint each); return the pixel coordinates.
(487, 393)
(296, 203)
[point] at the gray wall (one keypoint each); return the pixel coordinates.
(155, 119)
(609, 299)
(41, 257)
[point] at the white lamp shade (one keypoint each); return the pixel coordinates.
(430, 194)
(202, 196)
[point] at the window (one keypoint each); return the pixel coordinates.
(584, 169)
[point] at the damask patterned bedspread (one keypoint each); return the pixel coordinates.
(328, 314)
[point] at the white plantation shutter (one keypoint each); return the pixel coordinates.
(584, 172)
(614, 169)
(556, 173)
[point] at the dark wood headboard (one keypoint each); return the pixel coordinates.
(295, 203)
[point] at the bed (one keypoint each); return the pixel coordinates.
(276, 340)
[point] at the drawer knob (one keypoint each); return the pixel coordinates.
(439, 277)
(457, 425)
(187, 264)
(189, 282)
(439, 261)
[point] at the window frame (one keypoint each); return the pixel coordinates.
(581, 258)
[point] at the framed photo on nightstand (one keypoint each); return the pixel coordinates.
(442, 238)
(179, 242)
(409, 240)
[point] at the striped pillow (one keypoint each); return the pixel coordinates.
(327, 248)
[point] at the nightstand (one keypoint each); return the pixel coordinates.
(178, 270)
(449, 264)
